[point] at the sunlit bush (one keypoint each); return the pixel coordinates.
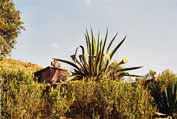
(108, 99)
(20, 96)
(57, 101)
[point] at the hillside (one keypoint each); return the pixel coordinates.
(12, 64)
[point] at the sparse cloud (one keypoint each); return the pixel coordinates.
(54, 45)
(88, 2)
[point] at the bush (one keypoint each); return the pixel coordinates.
(126, 101)
(58, 101)
(164, 93)
(108, 99)
(20, 98)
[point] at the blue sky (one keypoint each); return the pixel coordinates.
(54, 28)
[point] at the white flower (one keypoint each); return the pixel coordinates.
(123, 61)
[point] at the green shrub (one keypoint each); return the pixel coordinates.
(58, 101)
(84, 95)
(164, 93)
(108, 99)
(20, 96)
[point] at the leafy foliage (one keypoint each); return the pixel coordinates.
(58, 101)
(95, 59)
(22, 97)
(164, 93)
(110, 99)
(10, 26)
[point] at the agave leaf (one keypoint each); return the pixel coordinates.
(76, 61)
(84, 56)
(81, 59)
(89, 50)
(117, 47)
(101, 42)
(98, 44)
(168, 95)
(96, 60)
(92, 43)
(102, 51)
(107, 61)
(78, 71)
(68, 62)
(105, 40)
(73, 57)
(97, 53)
(160, 114)
(110, 44)
(164, 99)
(77, 74)
(85, 65)
(88, 42)
(98, 68)
(93, 48)
(93, 52)
(132, 75)
(127, 69)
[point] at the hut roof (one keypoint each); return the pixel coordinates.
(48, 68)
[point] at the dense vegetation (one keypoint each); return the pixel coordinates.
(10, 26)
(101, 92)
(22, 97)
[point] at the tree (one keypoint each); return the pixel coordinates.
(10, 26)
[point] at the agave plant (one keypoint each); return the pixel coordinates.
(96, 57)
(165, 99)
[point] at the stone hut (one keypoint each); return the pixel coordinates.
(51, 74)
